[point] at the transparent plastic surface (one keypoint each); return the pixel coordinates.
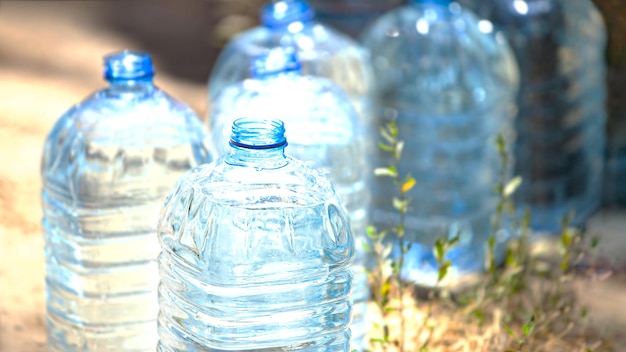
(560, 46)
(324, 131)
(449, 83)
(256, 253)
(323, 52)
(107, 166)
(352, 16)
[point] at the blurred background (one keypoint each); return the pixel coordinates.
(51, 58)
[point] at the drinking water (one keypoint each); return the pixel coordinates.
(560, 47)
(323, 130)
(107, 166)
(323, 51)
(256, 253)
(449, 84)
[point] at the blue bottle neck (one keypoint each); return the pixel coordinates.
(282, 13)
(129, 72)
(257, 143)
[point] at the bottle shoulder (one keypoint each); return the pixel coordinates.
(456, 57)
(252, 181)
(123, 126)
(323, 52)
(311, 107)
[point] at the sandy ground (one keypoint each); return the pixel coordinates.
(50, 57)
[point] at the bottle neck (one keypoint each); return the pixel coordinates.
(129, 72)
(258, 143)
(282, 13)
(136, 87)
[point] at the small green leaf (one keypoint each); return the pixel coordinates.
(400, 205)
(384, 132)
(454, 240)
(385, 147)
(366, 247)
(529, 327)
(443, 270)
(492, 242)
(439, 250)
(512, 186)
(399, 149)
(594, 241)
(385, 171)
(566, 238)
(509, 331)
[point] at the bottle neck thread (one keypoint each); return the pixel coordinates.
(252, 134)
(258, 143)
(128, 67)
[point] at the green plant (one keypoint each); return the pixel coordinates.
(527, 284)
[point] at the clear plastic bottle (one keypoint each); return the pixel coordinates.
(256, 253)
(560, 47)
(323, 130)
(449, 83)
(107, 166)
(323, 51)
(352, 16)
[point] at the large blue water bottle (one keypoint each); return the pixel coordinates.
(352, 16)
(256, 253)
(449, 83)
(323, 52)
(323, 130)
(560, 47)
(107, 166)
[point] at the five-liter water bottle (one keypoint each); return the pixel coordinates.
(107, 167)
(323, 130)
(352, 16)
(323, 51)
(560, 48)
(256, 253)
(449, 84)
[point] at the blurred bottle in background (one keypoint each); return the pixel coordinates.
(323, 130)
(449, 83)
(107, 166)
(560, 48)
(322, 50)
(256, 253)
(352, 16)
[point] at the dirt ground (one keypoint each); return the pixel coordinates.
(50, 58)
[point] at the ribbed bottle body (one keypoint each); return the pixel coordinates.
(108, 164)
(323, 131)
(562, 113)
(256, 255)
(449, 84)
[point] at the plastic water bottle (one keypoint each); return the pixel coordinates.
(256, 252)
(107, 166)
(323, 130)
(323, 51)
(352, 16)
(560, 46)
(449, 84)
